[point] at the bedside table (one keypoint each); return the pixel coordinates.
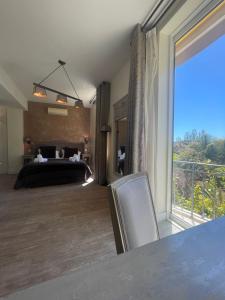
(27, 158)
(86, 157)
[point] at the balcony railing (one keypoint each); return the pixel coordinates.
(198, 191)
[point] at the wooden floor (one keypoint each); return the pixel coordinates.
(46, 232)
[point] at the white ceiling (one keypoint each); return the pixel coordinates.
(92, 36)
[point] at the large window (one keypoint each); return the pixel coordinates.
(199, 121)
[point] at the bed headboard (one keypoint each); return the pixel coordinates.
(62, 144)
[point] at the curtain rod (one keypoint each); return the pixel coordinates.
(152, 14)
(145, 25)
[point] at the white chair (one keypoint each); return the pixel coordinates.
(133, 213)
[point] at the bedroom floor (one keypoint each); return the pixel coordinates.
(46, 232)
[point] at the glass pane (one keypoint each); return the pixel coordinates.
(199, 122)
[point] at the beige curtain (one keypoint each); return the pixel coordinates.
(150, 104)
(142, 104)
(135, 152)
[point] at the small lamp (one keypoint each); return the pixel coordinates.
(78, 104)
(39, 92)
(61, 99)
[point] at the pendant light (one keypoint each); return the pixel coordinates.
(61, 99)
(40, 89)
(78, 104)
(39, 92)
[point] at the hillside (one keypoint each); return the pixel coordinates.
(199, 174)
(200, 147)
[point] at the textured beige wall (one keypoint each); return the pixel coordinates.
(119, 89)
(44, 128)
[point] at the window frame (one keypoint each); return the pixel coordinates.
(195, 19)
(166, 84)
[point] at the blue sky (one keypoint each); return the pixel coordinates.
(200, 92)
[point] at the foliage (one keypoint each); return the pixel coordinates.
(200, 186)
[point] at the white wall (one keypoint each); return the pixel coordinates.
(10, 94)
(11, 127)
(15, 139)
(119, 89)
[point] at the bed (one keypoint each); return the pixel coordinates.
(52, 172)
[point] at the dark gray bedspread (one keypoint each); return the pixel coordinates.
(52, 172)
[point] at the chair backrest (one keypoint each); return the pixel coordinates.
(134, 211)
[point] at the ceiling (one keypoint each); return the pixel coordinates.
(92, 36)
